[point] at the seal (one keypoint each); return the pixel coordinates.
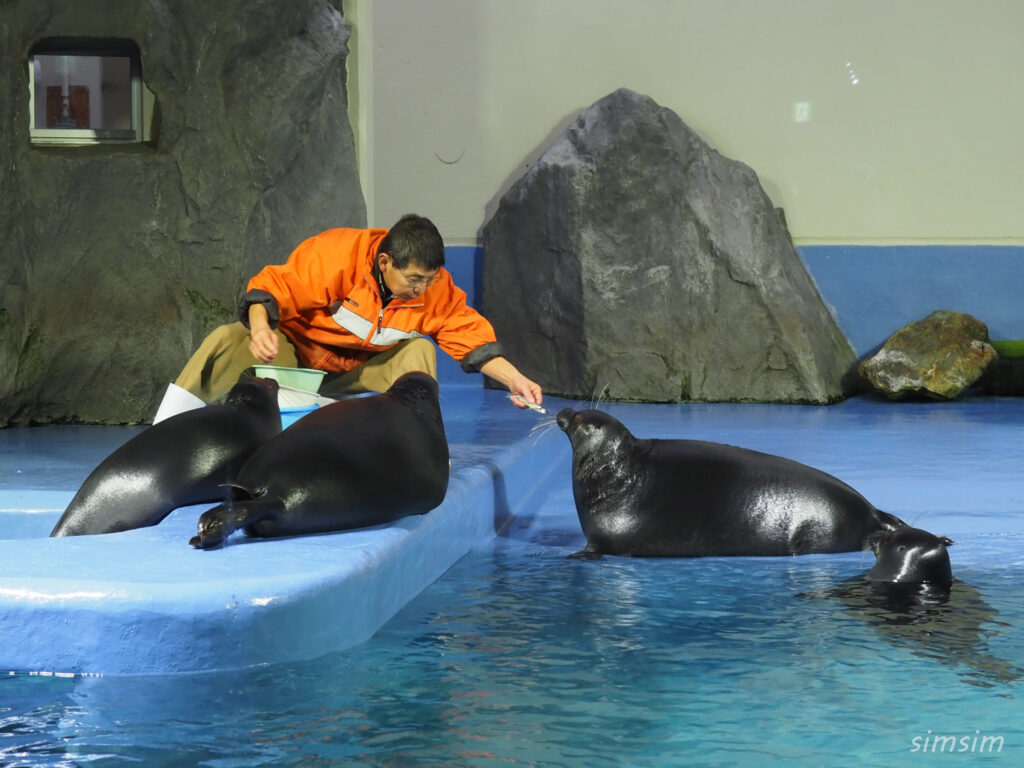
(185, 459)
(910, 556)
(912, 600)
(690, 498)
(350, 464)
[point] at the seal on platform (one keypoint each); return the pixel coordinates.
(350, 464)
(690, 498)
(185, 459)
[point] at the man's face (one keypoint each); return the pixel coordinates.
(408, 283)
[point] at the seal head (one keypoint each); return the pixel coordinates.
(910, 556)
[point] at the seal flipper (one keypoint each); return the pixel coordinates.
(889, 522)
(215, 525)
(586, 554)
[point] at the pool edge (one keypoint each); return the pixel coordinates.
(352, 583)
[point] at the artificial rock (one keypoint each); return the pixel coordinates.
(119, 259)
(635, 261)
(937, 358)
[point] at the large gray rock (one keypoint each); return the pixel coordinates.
(117, 260)
(937, 357)
(635, 258)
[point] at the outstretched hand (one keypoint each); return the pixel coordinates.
(529, 390)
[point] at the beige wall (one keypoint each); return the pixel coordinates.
(915, 129)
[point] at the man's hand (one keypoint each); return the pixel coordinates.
(529, 390)
(262, 340)
(502, 370)
(263, 344)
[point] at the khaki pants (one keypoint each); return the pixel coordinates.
(224, 356)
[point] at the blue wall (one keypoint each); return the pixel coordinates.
(464, 263)
(873, 290)
(876, 290)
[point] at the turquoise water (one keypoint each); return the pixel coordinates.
(520, 656)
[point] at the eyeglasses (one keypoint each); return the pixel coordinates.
(419, 281)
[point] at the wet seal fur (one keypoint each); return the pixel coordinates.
(690, 498)
(350, 464)
(185, 459)
(912, 600)
(910, 556)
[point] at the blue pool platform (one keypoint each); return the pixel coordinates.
(145, 602)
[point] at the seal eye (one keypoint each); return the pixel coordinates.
(902, 548)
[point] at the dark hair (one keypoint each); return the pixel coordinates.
(414, 240)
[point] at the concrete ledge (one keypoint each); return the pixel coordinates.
(145, 602)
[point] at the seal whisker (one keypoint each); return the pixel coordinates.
(548, 422)
(918, 517)
(542, 429)
(864, 553)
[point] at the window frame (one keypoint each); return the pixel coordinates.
(89, 136)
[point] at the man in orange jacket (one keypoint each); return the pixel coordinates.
(361, 305)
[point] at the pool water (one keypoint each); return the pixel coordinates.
(522, 656)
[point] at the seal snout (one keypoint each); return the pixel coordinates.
(564, 418)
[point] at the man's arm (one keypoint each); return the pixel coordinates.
(262, 340)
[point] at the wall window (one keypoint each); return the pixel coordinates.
(86, 92)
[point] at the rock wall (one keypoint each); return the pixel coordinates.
(635, 260)
(117, 260)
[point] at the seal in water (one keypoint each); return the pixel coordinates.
(910, 556)
(690, 498)
(185, 459)
(350, 464)
(912, 600)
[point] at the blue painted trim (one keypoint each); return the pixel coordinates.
(876, 290)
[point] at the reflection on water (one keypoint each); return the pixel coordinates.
(951, 625)
(520, 656)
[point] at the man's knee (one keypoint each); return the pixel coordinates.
(227, 335)
(423, 352)
(421, 346)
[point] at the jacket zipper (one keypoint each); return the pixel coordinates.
(380, 312)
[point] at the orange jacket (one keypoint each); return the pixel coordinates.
(325, 299)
